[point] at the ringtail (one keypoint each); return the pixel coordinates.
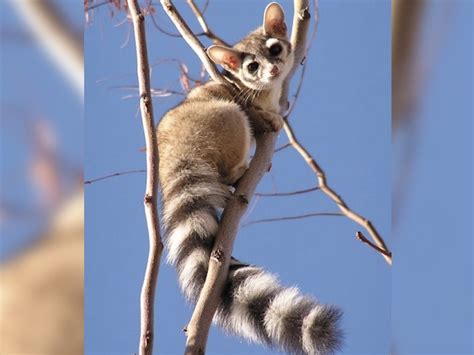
(203, 146)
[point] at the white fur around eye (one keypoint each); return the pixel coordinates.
(271, 41)
(247, 60)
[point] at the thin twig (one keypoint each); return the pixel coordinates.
(183, 69)
(198, 327)
(150, 201)
(360, 236)
(168, 33)
(205, 7)
(298, 91)
(202, 22)
(192, 40)
(283, 147)
(290, 193)
(88, 182)
(290, 218)
(199, 15)
(333, 195)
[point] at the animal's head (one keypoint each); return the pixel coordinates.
(263, 58)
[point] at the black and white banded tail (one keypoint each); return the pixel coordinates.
(254, 305)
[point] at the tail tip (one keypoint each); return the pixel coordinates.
(322, 333)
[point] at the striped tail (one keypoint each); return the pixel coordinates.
(254, 305)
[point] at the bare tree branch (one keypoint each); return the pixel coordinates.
(360, 236)
(56, 38)
(317, 169)
(166, 32)
(198, 327)
(202, 22)
(151, 192)
(333, 195)
(192, 40)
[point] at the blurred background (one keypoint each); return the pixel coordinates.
(432, 160)
(424, 304)
(41, 199)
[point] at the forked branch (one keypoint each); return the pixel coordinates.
(151, 191)
(324, 187)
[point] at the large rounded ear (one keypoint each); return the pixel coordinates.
(228, 58)
(274, 21)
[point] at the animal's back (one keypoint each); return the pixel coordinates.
(205, 127)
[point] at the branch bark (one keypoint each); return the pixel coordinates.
(151, 191)
(198, 327)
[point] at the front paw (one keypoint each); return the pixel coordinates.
(275, 120)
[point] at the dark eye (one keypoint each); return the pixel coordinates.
(275, 49)
(252, 67)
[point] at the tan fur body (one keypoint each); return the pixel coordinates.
(210, 126)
